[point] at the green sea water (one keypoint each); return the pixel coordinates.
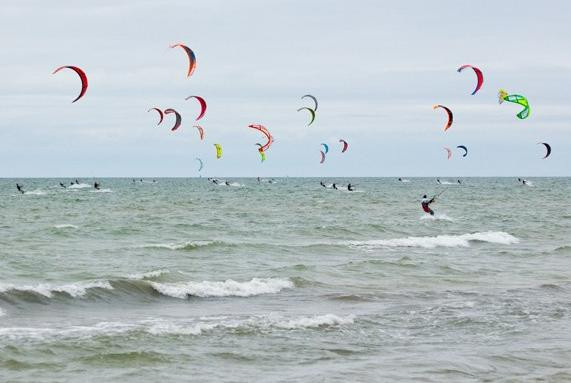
(185, 280)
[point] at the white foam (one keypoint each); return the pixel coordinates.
(462, 240)
(149, 274)
(177, 246)
(65, 226)
(79, 186)
(166, 328)
(77, 289)
(101, 191)
(327, 320)
(228, 288)
(35, 192)
(436, 217)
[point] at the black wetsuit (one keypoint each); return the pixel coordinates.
(19, 187)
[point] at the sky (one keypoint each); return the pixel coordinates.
(376, 67)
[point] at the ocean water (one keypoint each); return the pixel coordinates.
(183, 280)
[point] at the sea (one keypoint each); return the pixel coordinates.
(284, 280)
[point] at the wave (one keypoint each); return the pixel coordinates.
(462, 240)
(162, 327)
(101, 191)
(189, 245)
(74, 290)
(142, 285)
(79, 186)
(65, 226)
(327, 320)
(436, 217)
(228, 288)
(35, 192)
(148, 275)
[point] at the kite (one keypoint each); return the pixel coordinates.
(345, 145)
(191, 58)
(314, 100)
(266, 133)
(160, 112)
(178, 118)
(81, 75)
(218, 151)
(479, 76)
(516, 99)
(450, 116)
(202, 106)
(311, 113)
(322, 157)
(200, 131)
(449, 152)
(201, 164)
(326, 147)
(547, 147)
(465, 150)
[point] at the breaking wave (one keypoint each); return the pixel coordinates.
(462, 240)
(228, 288)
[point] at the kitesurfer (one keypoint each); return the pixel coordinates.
(62, 185)
(322, 184)
(400, 179)
(96, 185)
(459, 182)
(335, 187)
(438, 181)
(19, 187)
(227, 183)
(426, 204)
(350, 187)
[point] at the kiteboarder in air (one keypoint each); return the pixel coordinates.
(426, 204)
(19, 187)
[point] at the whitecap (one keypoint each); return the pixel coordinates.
(35, 192)
(177, 246)
(462, 240)
(77, 289)
(101, 191)
(65, 226)
(228, 288)
(79, 186)
(327, 320)
(149, 274)
(436, 217)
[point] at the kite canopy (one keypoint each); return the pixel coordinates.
(326, 147)
(345, 145)
(202, 106)
(322, 157)
(191, 58)
(200, 131)
(178, 118)
(465, 150)
(160, 112)
(449, 152)
(314, 101)
(547, 148)
(311, 114)
(266, 133)
(218, 151)
(200, 163)
(450, 116)
(516, 99)
(82, 77)
(479, 76)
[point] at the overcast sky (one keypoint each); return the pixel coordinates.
(376, 67)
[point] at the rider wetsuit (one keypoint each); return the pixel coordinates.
(426, 205)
